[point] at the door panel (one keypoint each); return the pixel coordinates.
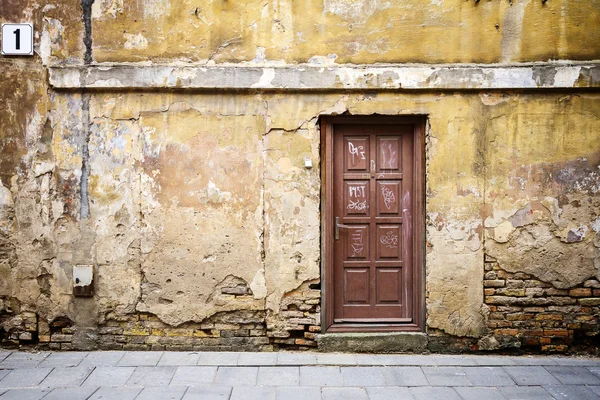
(372, 184)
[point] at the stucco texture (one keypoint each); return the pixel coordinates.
(343, 31)
(187, 202)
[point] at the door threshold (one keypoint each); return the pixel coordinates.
(373, 342)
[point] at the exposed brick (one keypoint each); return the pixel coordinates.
(534, 309)
(580, 292)
(513, 284)
(494, 283)
(511, 292)
(490, 275)
(593, 301)
(489, 291)
(506, 332)
(556, 332)
(551, 317)
(535, 292)
(592, 283)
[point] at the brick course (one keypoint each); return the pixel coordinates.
(531, 314)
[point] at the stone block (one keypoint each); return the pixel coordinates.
(494, 283)
(59, 338)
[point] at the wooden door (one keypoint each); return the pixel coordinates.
(373, 203)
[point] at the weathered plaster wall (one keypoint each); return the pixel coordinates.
(197, 211)
(200, 205)
(342, 31)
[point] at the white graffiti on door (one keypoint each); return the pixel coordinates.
(356, 152)
(357, 200)
(388, 196)
(357, 243)
(388, 155)
(390, 240)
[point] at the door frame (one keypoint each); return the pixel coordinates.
(327, 232)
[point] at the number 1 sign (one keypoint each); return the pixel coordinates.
(17, 39)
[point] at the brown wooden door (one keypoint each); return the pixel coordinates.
(373, 182)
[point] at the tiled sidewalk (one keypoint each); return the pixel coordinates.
(291, 376)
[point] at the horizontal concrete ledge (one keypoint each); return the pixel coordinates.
(317, 78)
(388, 342)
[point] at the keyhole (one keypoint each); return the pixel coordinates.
(76, 280)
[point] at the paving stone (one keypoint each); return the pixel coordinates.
(373, 359)
(533, 360)
(25, 377)
(208, 393)
(140, 359)
(193, 376)
(415, 360)
(595, 389)
(25, 394)
(525, 393)
(454, 360)
(581, 362)
(236, 376)
(72, 393)
(256, 359)
(253, 393)
(66, 359)
(151, 376)
(494, 361)
(345, 393)
(298, 393)
(122, 393)
(488, 376)
(571, 392)
(404, 376)
(102, 359)
(162, 393)
(594, 370)
(320, 376)
(171, 358)
(389, 393)
(218, 358)
(362, 376)
(478, 393)
(109, 376)
(446, 376)
(296, 359)
(23, 360)
(431, 393)
(65, 377)
(573, 375)
(279, 376)
(3, 373)
(336, 359)
(531, 376)
(4, 354)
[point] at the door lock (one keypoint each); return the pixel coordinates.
(338, 226)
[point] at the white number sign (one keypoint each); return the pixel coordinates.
(17, 39)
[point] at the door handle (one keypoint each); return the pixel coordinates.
(338, 226)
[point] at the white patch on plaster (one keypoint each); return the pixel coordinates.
(502, 232)
(266, 78)
(351, 10)
(566, 77)
(156, 8)
(6, 199)
(45, 47)
(259, 285)
(512, 29)
(137, 42)
(596, 225)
